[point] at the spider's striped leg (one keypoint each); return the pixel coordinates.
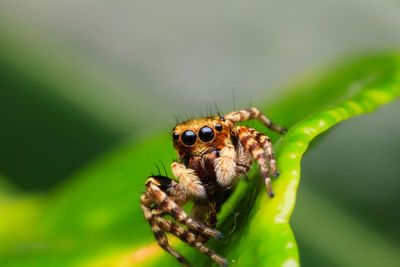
(258, 153)
(254, 113)
(189, 238)
(211, 220)
(204, 211)
(199, 213)
(159, 234)
(266, 143)
(199, 210)
(243, 161)
(168, 203)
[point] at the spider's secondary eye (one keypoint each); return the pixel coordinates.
(206, 134)
(221, 118)
(175, 136)
(188, 137)
(218, 127)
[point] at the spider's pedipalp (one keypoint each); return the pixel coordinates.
(225, 166)
(254, 113)
(188, 179)
(257, 152)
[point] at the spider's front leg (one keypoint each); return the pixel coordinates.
(165, 196)
(168, 196)
(189, 238)
(151, 214)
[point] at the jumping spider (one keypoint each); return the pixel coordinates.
(213, 154)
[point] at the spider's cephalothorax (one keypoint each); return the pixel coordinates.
(213, 153)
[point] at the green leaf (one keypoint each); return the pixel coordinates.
(96, 220)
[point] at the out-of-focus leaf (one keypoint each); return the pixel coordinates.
(95, 220)
(72, 108)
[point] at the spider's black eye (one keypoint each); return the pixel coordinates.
(188, 138)
(221, 118)
(206, 134)
(218, 127)
(175, 136)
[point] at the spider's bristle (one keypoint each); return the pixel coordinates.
(210, 111)
(217, 110)
(165, 170)
(176, 118)
(233, 99)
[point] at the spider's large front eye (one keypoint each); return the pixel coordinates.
(188, 138)
(206, 134)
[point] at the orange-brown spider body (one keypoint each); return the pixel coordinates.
(213, 153)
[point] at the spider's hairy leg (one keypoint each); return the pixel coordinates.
(265, 141)
(225, 166)
(254, 113)
(199, 210)
(243, 160)
(204, 211)
(157, 232)
(189, 238)
(199, 213)
(258, 153)
(189, 180)
(168, 204)
(212, 214)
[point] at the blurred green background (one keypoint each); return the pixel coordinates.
(79, 79)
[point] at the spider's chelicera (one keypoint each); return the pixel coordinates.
(213, 153)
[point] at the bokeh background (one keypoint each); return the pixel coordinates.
(79, 78)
